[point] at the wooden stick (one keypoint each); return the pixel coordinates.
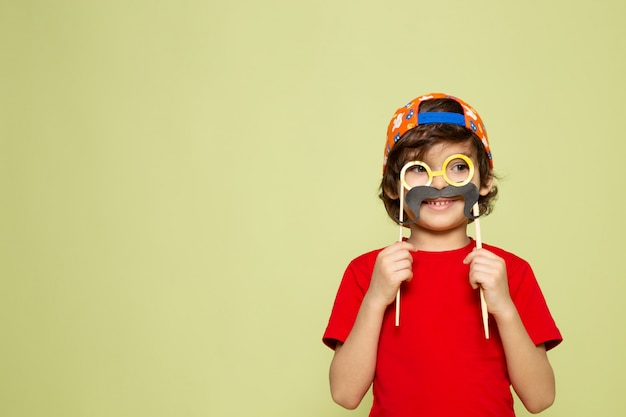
(400, 236)
(479, 245)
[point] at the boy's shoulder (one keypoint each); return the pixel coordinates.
(509, 257)
(364, 264)
(366, 258)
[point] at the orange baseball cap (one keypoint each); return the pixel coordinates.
(407, 117)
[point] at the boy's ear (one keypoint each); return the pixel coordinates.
(485, 189)
(393, 194)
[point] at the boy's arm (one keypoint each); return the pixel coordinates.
(354, 363)
(528, 366)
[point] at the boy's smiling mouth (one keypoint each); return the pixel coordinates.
(436, 199)
(439, 203)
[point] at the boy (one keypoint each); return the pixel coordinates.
(437, 361)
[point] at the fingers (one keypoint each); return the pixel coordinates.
(394, 264)
(486, 269)
(480, 253)
(400, 247)
(397, 258)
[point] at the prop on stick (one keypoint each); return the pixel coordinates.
(416, 177)
(479, 244)
(400, 235)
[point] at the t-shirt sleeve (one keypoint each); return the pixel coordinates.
(532, 307)
(347, 303)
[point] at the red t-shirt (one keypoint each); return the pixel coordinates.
(438, 362)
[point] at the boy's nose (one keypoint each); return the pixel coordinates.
(438, 182)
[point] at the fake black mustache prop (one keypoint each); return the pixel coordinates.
(417, 195)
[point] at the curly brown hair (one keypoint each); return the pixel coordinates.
(414, 143)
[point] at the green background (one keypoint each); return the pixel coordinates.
(183, 183)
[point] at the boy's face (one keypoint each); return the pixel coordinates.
(448, 210)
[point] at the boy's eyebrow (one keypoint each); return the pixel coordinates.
(411, 156)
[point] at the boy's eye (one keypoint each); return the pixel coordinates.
(458, 166)
(458, 170)
(415, 174)
(418, 169)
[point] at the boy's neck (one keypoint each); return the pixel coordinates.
(433, 241)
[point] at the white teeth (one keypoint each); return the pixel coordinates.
(438, 203)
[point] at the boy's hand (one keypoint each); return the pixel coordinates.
(394, 264)
(487, 270)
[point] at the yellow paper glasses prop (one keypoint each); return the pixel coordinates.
(457, 170)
